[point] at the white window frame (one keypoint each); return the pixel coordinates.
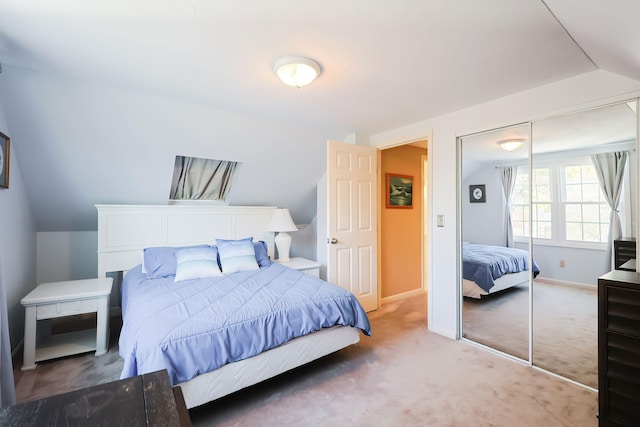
(558, 217)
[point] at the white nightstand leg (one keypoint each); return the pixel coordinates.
(102, 327)
(29, 355)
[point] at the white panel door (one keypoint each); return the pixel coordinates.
(352, 220)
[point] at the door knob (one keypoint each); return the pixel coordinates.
(333, 240)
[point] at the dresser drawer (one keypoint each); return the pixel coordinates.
(623, 402)
(623, 310)
(69, 308)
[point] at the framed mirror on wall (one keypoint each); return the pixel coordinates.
(567, 199)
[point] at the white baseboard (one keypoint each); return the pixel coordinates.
(401, 296)
(444, 332)
(565, 283)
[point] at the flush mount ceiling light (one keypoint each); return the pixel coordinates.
(296, 71)
(511, 144)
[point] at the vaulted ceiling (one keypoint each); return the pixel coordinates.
(99, 96)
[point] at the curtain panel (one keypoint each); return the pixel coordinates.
(610, 169)
(508, 177)
(7, 387)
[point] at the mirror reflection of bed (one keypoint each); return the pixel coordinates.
(567, 213)
(495, 286)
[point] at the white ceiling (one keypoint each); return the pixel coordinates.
(583, 130)
(385, 64)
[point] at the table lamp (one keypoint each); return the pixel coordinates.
(281, 223)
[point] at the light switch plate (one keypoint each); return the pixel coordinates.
(440, 220)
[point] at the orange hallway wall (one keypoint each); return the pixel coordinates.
(401, 229)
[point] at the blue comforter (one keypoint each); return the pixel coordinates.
(484, 264)
(196, 326)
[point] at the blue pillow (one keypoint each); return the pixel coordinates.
(237, 255)
(262, 254)
(197, 263)
(160, 261)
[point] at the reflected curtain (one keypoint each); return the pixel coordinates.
(610, 170)
(508, 177)
(201, 179)
(7, 386)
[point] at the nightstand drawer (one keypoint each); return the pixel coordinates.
(312, 268)
(315, 272)
(48, 311)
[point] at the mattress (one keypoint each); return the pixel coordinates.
(472, 290)
(236, 376)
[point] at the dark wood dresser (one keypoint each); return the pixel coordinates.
(624, 250)
(619, 348)
(146, 400)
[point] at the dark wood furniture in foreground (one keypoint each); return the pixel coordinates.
(619, 348)
(624, 250)
(147, 400)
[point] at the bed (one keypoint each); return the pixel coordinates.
(176, 325)
(489, 269)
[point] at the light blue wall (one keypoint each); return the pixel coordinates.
(17, 241)
(483, 223)
(581, 265)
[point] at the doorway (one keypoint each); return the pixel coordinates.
(403, 221)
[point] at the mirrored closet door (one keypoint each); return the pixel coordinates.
(581, 164)
(555, 200)
(489, 165)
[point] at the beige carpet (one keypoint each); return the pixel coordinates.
(402, 376)
(565, 327)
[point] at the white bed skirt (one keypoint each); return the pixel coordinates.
(238, 375)
(472, 290)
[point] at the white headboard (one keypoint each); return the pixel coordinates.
(125, 230)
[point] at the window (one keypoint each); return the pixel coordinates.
(201, 179)
(520, 205)
(586, 212)
(567, 203)
(541, 200)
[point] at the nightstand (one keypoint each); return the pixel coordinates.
(61, 299)
(307, 266)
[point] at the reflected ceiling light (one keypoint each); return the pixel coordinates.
(511, 144)
(296, 71)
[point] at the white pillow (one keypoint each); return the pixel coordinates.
(197, 263)
(237, 255)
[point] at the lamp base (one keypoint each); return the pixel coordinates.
(283, 244)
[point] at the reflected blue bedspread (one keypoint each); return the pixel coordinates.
(196, 326)
(483, 264)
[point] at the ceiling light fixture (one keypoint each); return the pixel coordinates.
(296, 71)
(511, 144)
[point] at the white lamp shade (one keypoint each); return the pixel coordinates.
(281, 221)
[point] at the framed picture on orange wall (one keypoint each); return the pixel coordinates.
(4, 160)
(399, 191)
